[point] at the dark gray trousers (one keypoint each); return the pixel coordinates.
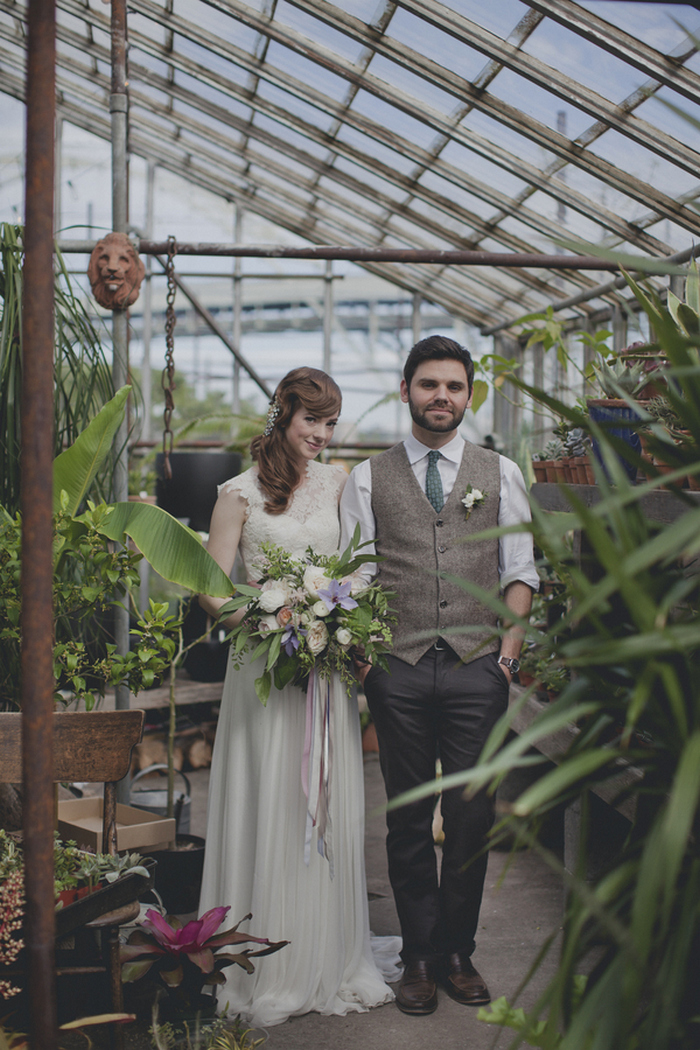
(438, 709)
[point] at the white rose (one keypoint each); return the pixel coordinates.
(267, 624)
(315, 580)
(469, 500)
(358, 585)
(273, 595)
(343, 637)
(317, 637)
(477, 494)
(320, 609)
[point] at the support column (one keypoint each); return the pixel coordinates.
(37, 524)
(327, 316)
(237, 307)
(118, 105)
(415, 317)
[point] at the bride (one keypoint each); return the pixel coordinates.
(256, 826)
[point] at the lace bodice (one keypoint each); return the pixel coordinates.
(311, 519)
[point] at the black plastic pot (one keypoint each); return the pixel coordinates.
(191, 492)
(178, 876)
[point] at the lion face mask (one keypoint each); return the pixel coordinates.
(115, 272)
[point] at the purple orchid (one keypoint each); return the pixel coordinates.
(172, 946)
(338, 594)
(291, 638)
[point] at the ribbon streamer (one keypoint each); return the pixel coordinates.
(316, 767)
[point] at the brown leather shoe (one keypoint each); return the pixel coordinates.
(463, 983)
(417, 991)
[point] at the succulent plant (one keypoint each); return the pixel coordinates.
(554, 449)
(577, 442)
(618, 377)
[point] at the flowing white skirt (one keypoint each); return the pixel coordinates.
(254, 859)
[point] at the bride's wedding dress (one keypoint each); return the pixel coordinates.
(256, 822)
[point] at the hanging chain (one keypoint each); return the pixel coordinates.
(167, 380)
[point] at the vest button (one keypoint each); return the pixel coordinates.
(439, 522)
(441, 550)
(443, 604)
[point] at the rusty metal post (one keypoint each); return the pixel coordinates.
(37, 524)
(118, 106)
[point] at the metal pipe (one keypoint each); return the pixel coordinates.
(357, 253)
(601, 289)
(37, 524)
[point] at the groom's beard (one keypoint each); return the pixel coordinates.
(435, 426)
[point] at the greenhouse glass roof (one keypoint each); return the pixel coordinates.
(507, 126)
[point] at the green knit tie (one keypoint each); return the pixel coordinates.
(433, 483)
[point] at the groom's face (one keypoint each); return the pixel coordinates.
(438, 396)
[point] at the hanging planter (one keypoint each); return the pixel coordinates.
(191, 492)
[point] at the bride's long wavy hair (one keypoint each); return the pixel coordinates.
(307, 388)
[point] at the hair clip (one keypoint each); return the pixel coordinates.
(272, 415)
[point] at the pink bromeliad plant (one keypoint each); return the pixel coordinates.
(184, 958)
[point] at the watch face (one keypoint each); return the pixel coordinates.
(511, 663)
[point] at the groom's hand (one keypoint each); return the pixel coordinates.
(361, 664)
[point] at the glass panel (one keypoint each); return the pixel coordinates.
(418, 91)
(435, 44)
(307, 73)
(318, 33)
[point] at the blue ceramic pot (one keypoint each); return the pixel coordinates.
(613, 416)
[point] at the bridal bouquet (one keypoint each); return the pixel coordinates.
(307, 613)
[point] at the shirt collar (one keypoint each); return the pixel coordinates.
(416, 450)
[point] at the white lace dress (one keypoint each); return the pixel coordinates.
(256, 822)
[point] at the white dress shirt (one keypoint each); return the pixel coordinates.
(515, 555)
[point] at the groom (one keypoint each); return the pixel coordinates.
(450, 670)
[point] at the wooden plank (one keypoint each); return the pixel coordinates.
(94, 746)
(664, 507)
(556, 744)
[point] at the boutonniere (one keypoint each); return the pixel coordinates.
(473, 498)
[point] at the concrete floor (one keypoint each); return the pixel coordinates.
(522, 906)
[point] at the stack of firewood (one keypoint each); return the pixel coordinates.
(193, 748)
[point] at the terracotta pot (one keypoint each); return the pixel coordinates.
(369, 738)
(664, 468)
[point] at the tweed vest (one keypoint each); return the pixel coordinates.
(421, 548)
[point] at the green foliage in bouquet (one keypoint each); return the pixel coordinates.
(308, 613)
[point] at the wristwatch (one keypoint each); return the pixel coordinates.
(510, 662)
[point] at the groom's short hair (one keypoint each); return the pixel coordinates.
(438, 348)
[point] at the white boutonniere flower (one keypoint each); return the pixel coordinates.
(473, 498)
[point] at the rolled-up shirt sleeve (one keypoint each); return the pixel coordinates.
(515, 551)
(356, 509)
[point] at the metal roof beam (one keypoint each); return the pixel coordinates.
(475, 36)
(667, 69)
(489, 150)
(424, 158)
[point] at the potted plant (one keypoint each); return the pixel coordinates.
(183, 960)
(548, 464)
(620, 381)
